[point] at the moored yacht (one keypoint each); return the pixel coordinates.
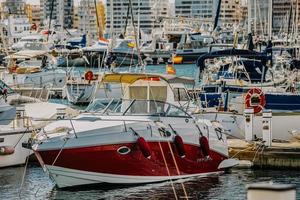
(131, 142)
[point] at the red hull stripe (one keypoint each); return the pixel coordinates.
(106, 159)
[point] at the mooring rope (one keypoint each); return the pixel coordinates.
(177, 169)
(168, 171)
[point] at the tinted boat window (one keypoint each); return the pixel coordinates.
(180, 94)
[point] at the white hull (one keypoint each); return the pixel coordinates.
(14, 137)
(50, 78)
(86, 93)
(282, 125)
(81, 93)
(7, 114)
(65, 177)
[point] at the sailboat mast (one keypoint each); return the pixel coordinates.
(270, 18)
(254, 18)
(99, 26)
(61, 14)
(50, 19)
(289, 23)
(249, 15)
(217, 14)
(296, 22)
(110, 46)
(135, 34)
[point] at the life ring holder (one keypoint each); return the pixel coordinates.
(255, 98)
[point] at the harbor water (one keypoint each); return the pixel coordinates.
(229, 186)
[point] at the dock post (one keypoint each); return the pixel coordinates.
(262, 191)
(267, 127)
(249, 114)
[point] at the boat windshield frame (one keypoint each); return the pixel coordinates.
(169, 110)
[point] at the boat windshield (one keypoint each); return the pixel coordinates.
(137, 107)
(104, 106)
(33, 46)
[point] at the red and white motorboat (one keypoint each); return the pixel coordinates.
(130, 142)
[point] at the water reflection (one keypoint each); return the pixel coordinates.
(197, 188)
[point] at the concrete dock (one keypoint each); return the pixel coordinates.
(279, 155)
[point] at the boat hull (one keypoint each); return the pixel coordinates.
(80, 93)
(104, 164)
(66, 177)
(14, 138)
(282, 124)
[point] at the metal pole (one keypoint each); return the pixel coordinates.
(270, 20)
(249, 15)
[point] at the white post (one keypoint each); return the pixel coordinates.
(249, 114)
(267, 127)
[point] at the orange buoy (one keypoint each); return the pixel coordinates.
(144, 147)
(255, 98)
(179, 146)
(13, 69)
(170, 69)
(204, 145)
(89, 75)
(131, 45)
(177, 59)
(4, 151)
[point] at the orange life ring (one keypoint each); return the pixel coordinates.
(89, 75)
(255, 98)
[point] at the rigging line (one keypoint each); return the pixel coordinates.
(61, 149)
(135, 35)
(25, 132)
(24, 174)
(258, 149)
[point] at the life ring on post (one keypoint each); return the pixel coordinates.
(89, 75)
(255, 98)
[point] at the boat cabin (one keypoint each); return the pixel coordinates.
(165, 88)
